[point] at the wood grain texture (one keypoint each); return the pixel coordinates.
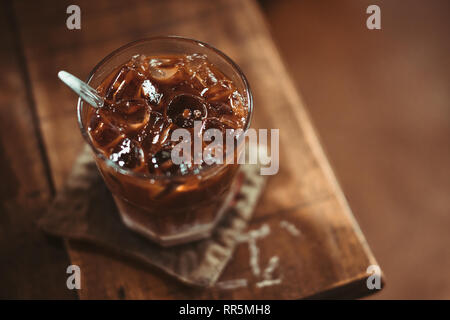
(331, 251)
(380, 101)
(31, 265)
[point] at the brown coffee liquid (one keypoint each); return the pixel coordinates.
(149, 97)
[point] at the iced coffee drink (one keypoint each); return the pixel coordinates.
(152, 88)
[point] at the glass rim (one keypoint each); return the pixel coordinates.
(147, 176)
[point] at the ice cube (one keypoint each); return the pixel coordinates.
(184, 109)
(161, 163)
(200, 73)
(125, 85)
(103, 133)
(219, 92)
(156, 132)
(230, 122)
(237, 102)
(130, 115)
(166, 71)
(215, 123)
(205, 76)
(165, 62)
(127, 154)
(150, 92)
(216, 109)
(140, 63)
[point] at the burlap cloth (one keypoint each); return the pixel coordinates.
(84, 210)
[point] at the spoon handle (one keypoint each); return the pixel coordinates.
(86, 92)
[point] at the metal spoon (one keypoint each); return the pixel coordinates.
(82, 89)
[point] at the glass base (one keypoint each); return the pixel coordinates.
(136, 222)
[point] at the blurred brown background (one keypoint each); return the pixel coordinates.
(380, 101)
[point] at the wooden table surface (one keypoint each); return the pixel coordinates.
(40, 140)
